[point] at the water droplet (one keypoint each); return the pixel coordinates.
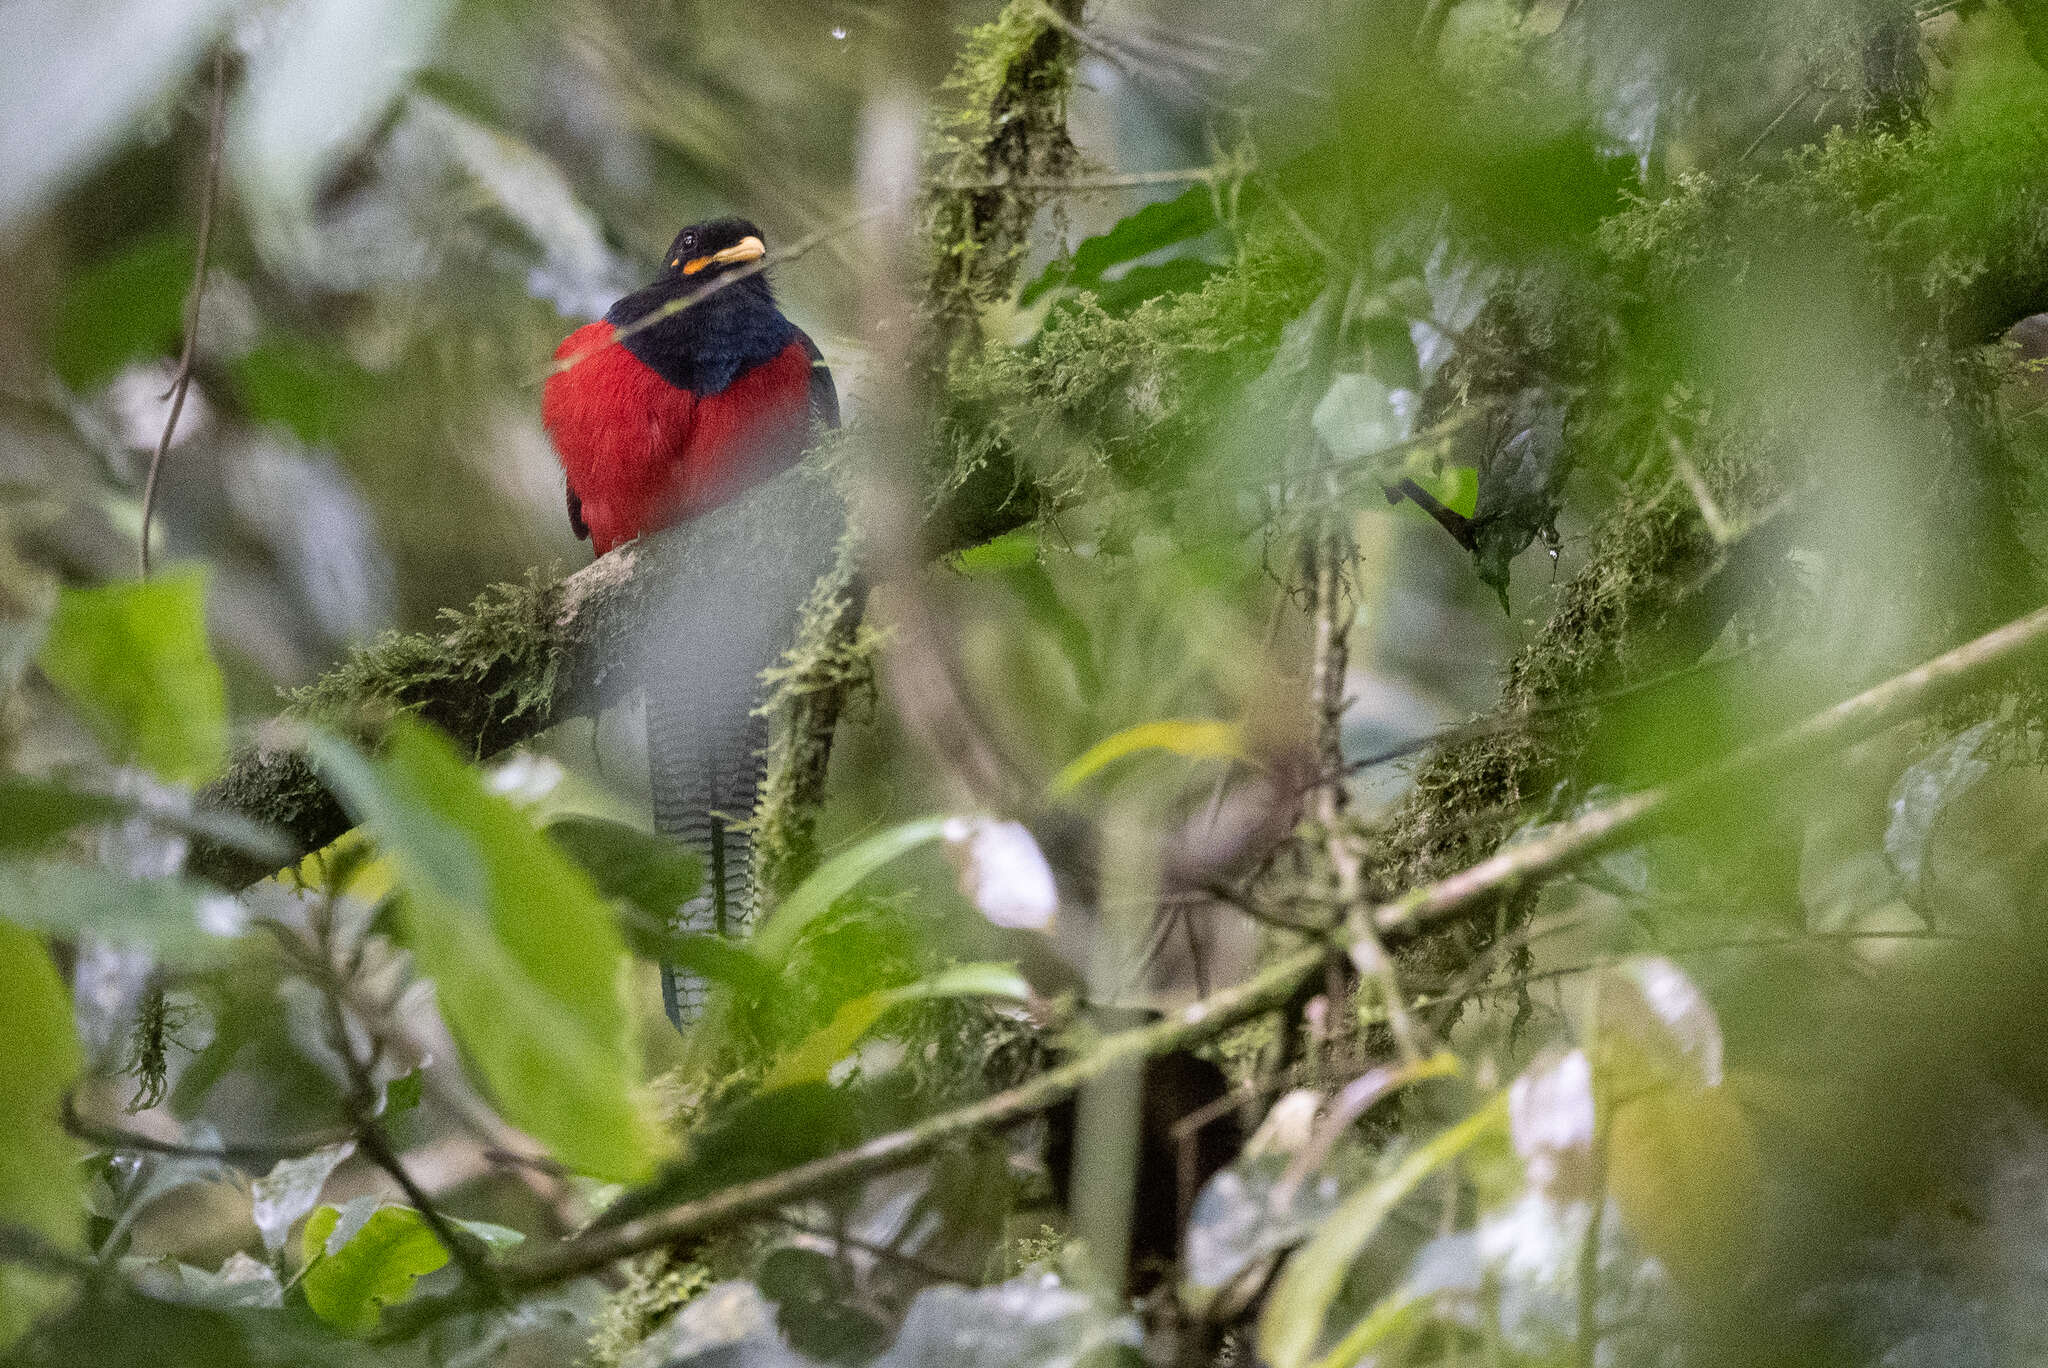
(839, 32)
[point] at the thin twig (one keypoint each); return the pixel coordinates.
(1128, 180)
(1772, 127)
(182, 381)
(1592, 832)
(233, 1151)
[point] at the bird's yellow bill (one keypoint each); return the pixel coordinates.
(748, 248)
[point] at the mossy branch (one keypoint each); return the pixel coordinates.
(524, 657)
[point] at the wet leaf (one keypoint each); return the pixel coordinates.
(38, 1184)
(291, 1189)
(1292, 1324)
(350, 1284)
(133, 660)
(1924, 791)
(523, 950)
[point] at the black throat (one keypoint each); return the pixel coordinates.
(706, 346)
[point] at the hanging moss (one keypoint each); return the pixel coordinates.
(1007, 124)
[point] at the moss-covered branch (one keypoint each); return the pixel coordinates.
(524, 657)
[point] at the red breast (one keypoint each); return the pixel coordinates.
(642, 454)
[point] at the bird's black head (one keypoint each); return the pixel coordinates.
(697, 330)
(704, 251)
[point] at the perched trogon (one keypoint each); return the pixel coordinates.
(691, 392)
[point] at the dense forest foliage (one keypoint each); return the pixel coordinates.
(1405, 722)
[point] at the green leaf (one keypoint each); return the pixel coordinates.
(125, 308)
(133, 659)
(492, 1236)
(1161, 224)
(812, 1060)
(1140, 283)
(185, 922)
(651, 876)
(311, 390)
(651, 872)
(1195, 738)
(34, 812)
(38, 1183)
(834, 879)
(1291, 1324)
(523, 950)
(75, 78)
(350, 1286)
(1015, 548)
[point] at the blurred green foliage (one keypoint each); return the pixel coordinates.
(1717, 334)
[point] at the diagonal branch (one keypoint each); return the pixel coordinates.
(1916, 691)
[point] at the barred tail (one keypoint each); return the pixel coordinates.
(706, 763)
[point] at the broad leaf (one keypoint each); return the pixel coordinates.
(349, 1285)
(181, 920)
(34, 812)
(812, 1061)
(75, 78)
(128, 307)
(1161, 224)
(523, 950)
(318, 88)
(133, 659)
(38, 1187)
(651, 872)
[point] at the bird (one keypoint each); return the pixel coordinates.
(691, 391)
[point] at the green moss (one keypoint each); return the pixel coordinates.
(1099, 401)
(657, 1285)
(1008, 123)
(493, 666)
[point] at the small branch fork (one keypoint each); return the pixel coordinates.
(182, 380)
(1599, 829)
